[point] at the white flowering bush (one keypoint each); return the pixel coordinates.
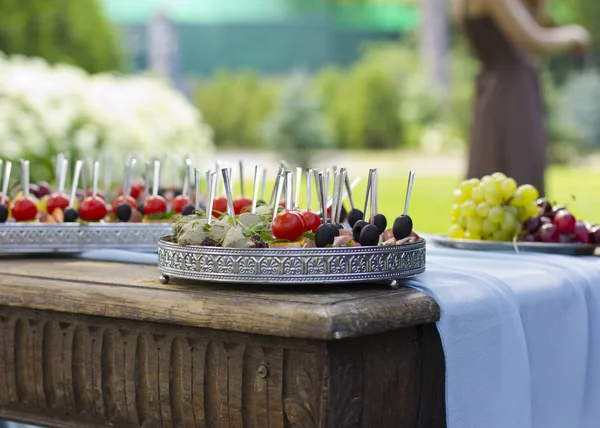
(47, 109)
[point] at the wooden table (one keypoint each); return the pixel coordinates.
(86, 343)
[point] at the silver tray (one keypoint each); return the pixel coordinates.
(537, 247)
(43, 238)
(290, 265)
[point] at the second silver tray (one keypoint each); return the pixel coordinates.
(21, 238)
(571, 249)
(290, 265)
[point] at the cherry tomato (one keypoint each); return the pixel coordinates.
(179, 203)
(57, 200)
(288, 225)
(137, 188)
(92, 209)
(121, 199)
(219, 206)
(155, 205)
(241, 204)
(24, 209)
(312, 220)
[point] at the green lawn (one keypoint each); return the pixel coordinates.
(432, 196)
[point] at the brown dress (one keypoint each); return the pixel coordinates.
(508, 133)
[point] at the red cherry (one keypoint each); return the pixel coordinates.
(564, 222)
(92, 209)
(219, 206)
(57, 200)
(312, 220)
(121, 199)
(240, 204)
(288, 225)
(179, 203)
(24, 209)
(155, 205)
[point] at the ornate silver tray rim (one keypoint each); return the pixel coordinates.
(41, 238)
(572, 249)
(290, 265)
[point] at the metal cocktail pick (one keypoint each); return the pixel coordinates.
(263, 184)
(126, 180)
(229, 194)
(368, 195)
(25, 178)
(289, 185)
(197, 178)
(278, 190)
(76, 175)
(241, 163)
(147, 175)
(6, 180)
(185, 188)
(309, 177)
(95, 174)
(211, 184)
(411, 182)
(341, 182)
(156, 178)
(321, 194)
(297, 188)
(336, 179)
(348, 188)
(257, 169)
(62, 175)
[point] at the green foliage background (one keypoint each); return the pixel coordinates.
(61, 31)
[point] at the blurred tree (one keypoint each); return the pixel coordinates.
(66, 31)
(296, 127)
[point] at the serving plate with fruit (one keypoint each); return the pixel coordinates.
(494, 214)
(274, 244)
(38, 219)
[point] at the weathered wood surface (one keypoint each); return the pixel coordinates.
(90, 344)
(317, 312)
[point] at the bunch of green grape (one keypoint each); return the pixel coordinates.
(492, 208)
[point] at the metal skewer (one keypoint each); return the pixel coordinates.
(309, 177)
(6, 180)
(76, 175)
(411, 182)
(197, 178)
(227, 183)
(257, 169)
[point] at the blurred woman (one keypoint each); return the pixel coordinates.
(507, 36)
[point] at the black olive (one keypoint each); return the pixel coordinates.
(260, 203)
(340, 226)
(381, 222)
(403, 227)
(369, 236)
(358, 227)
(334, 228)
(123, 212)
(355, 215)
(3, 213)
(71, 215)
(188, 210)
(324, 236)
(141, 208)
(177, 192)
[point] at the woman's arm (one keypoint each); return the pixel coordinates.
(521, 27)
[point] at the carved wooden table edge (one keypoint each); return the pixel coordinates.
(86, 354)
